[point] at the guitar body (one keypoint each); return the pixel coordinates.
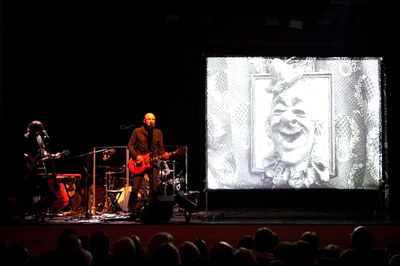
(59, 191)
(43, 166)
(138, 169)
(39, 161)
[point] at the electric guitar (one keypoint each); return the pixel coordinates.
(139, 168)
(39, 160)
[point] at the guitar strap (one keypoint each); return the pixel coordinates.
(150, 141)
(39, 140)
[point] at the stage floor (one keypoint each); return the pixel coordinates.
(224, 216)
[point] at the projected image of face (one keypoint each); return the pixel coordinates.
(292, 127)
(293, 123)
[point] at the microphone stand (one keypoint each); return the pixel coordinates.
(87, 213)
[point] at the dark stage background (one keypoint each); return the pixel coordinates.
(90, 70)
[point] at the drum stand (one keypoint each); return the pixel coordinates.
(164, 171)
(109, 203)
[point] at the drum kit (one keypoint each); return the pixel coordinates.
(116, 191)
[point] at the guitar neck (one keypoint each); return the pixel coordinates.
(152, 159)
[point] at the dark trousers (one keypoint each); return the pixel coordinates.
(144, 186)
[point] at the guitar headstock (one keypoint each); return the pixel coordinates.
(65, 152)
(180, 151)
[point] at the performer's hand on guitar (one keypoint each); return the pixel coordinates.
(165, 156)
(139, 159)
(57, 155)
(142, 162)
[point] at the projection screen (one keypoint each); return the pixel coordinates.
(293, 123)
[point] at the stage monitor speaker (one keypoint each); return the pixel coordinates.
(159, 211)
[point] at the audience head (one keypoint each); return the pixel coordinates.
(157, 240)
(392, 248)
(395, 260)
(349, 257)
(189, 253)
(137, 241)
(203, 248)
(166, 255)
(244, 257)
(246, 241)
(361, 239)
(124, 251)
(264, 240)
(221, 254)
(68, 238)
(99, 243)
(311, 237)
(305, 253)
(286, 251)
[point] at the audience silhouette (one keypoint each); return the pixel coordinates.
(264, 248)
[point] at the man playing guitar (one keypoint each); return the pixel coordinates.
(40, 172)
(146, 142)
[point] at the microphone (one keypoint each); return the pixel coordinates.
(45, 135)
(108, 153)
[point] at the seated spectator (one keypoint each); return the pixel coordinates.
(287, 252)
(156, 240)
(362, 241)
(246, 241)
(305, 254)
(350, 257)
(99, 246)
(166, 255)
(221, 254)
(264, 241)
(189, 254)
(124, 251)
(395, 260)
(244, 257)
(139, 257)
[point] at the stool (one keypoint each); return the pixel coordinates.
(113, 196)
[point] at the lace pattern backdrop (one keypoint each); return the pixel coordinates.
(346, 102)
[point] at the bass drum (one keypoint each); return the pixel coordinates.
(123, 199)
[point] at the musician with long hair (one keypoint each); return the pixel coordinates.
(39, 170)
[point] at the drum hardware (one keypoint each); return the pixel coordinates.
(109, 203)
(116, 169)
(113, 197)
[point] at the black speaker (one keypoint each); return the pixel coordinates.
(159, 210)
